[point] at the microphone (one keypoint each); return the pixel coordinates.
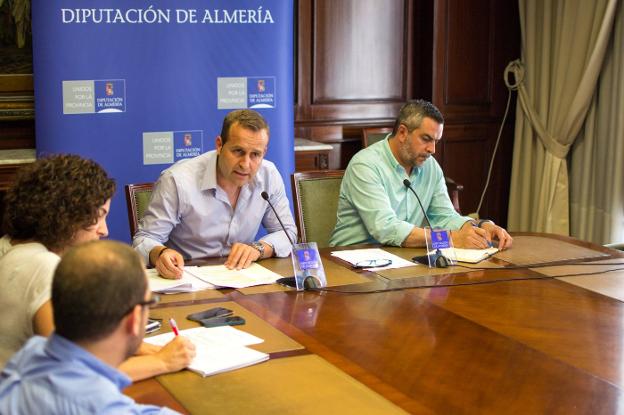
(408, 184)
(265, 196)
(310, 282)
(439, 260)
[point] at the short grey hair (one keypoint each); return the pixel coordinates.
(412, 113)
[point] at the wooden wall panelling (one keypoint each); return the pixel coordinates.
(464, 158)
(473, 42)
(462, 69)
(354, 61)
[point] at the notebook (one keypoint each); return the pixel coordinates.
(474, 256)
(218, 349)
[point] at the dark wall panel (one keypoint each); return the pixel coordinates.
(359, 50)
(467, 42)
(358, 61)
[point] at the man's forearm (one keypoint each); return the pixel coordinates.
(415, 239)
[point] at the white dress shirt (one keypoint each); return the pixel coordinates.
(190, 213)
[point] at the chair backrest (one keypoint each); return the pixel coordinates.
(137, 198)
(371, 135)
(316, 204)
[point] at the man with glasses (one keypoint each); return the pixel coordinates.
(100, 300)
(58, 202)
(376, 207)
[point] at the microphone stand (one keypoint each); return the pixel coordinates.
(309, 280)
(438, 259)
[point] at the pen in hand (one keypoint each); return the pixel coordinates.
(174, 326)
(490, 244)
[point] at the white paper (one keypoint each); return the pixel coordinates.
(218, 349)
(354, 256)
(471, 256)
(188, 283)
(220, 276)
(474, 255)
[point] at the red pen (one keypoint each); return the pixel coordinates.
(174, 326)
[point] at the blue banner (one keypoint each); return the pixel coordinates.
(139, 85)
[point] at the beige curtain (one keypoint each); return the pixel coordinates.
(563, 46)
(597, 157)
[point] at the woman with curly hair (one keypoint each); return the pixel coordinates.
(55, 203)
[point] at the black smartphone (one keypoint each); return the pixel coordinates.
(152, 325)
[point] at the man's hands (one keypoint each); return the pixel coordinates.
(168, 262)
(496, 232)
(177, 354)
(469, 236)
(242, 255)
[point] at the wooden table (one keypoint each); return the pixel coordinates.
(467, 341)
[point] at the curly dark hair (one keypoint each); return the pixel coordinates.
(54, 197)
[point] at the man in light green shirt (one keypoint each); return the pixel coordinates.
(376, 207)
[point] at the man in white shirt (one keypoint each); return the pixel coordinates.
(211, 205)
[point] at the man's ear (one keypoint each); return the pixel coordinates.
(401, 133)
(134, 321)
(218, 144)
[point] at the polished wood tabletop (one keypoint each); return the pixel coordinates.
(482, 340)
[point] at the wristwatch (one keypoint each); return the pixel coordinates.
(482, 221)
(259, 246)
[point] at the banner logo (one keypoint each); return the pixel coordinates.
(246, 92)
(94, 96)
(167, 147)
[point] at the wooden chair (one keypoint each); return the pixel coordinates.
(316, 204)
(137, 198)
(371, 135)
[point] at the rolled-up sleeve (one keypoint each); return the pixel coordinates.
(160, 217)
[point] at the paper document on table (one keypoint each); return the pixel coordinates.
(219, 275)
(354, 256)
(218, 349)
(188, 283)
(472, 256)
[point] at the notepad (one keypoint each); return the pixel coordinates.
(218, 349)
(474, 256)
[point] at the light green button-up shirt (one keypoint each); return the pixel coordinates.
(376, 207)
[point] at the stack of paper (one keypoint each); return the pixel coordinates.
(220, 276)
(219, 349)
(188, 282)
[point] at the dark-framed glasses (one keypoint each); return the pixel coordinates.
(373, 263)
(155, 299)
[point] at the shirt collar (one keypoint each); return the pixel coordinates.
(209, 177)
(62, 349)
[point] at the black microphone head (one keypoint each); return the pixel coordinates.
(265, 195)
(407, 183)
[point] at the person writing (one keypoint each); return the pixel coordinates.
(56, 203)
(73, 371)
(211, 205)
(375, 206)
